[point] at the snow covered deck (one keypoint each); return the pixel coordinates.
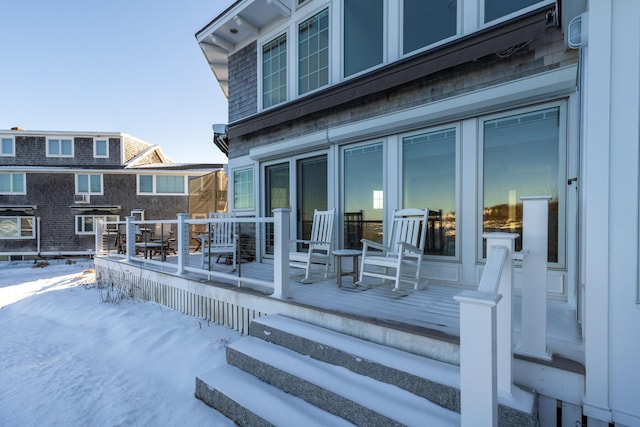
(431, 312)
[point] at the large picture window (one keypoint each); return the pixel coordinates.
(425, 23)
(243, 189)
(363, 194)
(429, 181)
(12, 183)
(17, 227)
(274, 72)
(494, 9)
(522, 157)
(313, 52)
(363, 35)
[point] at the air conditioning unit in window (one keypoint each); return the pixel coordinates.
(81, 198)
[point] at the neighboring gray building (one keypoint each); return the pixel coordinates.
(54, 184)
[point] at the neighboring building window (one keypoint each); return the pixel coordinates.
(363, 34)
(313, 52)
(429, 181)
(243, 189)
(17, 227)
(494, 9)
(85, 224)
(7, 146)
(57, 147)
(161, 184)
(425, 23)
(12, 183)
(274, 72)
(100, 147)
(88, 183)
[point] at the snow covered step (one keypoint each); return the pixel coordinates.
(354, 397)
(248, 401)
(433, 380)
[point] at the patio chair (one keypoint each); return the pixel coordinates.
(402, 253)
(220, 238)
(162, 233)
(318, 249)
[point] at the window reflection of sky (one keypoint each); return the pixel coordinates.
(521, 154)
(363, 176)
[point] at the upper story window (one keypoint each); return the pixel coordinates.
(243, 188)
(17, 227)
(426, 23)
(363, 35)
(100, 147)
(12, 183)
(59, 147)
(495, 9)
(88, 183)
(274, 72)
(313, 52)
(7, 146)
(161, 184)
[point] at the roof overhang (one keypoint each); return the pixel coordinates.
(114, 209)
(236, 27)
(23, 209)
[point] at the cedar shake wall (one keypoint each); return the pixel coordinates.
(52, 193)
(540, 55)
(32, 151)
(243, 83)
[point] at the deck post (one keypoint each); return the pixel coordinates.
(131, 237)
(281, 253)
(478, 360)
(183, 241)
(504, 311)
(535, 219)
(98, 227)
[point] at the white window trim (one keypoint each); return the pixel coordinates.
(233, 189)
(19, 236)
(99, 193)
(562, 172)
(470, 18)
(155, 192)
(539, 4)
(13, 146)
(261, 106)
(104, 218)
(296, 32)
(24, 181)
(95, 146)
(60, 155)
(457, 125)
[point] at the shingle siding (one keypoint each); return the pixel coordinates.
(243, 83)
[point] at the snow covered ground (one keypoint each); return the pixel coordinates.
(69, 359)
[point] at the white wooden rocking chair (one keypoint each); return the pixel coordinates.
(318, 246)
(403, 251)
(219, 239)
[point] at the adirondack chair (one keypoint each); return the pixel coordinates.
(318, 246)
(402, 253)
(220, 238)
